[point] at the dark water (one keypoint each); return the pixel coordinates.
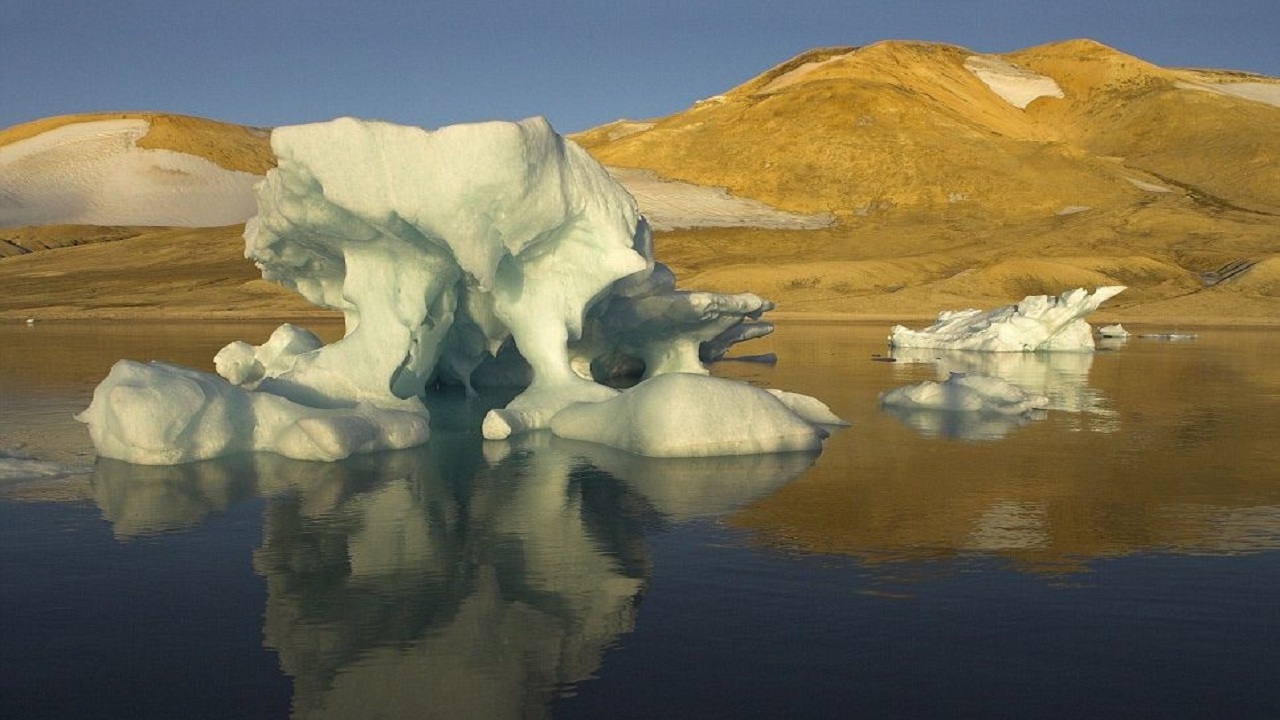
(1115, 558)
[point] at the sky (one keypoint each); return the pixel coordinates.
(580, 63)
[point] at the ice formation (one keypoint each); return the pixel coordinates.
(487, 251)
(1036, 323)
(1113, 331)
(686, 415)
(970, 407)
(966, 393)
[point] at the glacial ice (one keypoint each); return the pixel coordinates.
(966, 393)
(1113, 331)
(964, 406)
(1036, 323)
(473, 254)
(688, 415)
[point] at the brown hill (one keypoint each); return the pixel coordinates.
(955, 179)
(950, 190)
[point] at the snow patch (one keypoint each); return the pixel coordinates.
(1266, 93)
(671, 204)
(795, 75)
(1017, 86)
(93, 173)
(1149, 187)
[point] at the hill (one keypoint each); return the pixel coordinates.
(892, 180)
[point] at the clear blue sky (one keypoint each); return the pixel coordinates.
(578, 62)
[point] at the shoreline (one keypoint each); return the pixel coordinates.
(64, 316)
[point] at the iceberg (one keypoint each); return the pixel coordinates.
(1036, 323)
(475, 254)
(1113, 331)
(964, 406)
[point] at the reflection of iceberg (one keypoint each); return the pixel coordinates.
(1036, 323)
(1061, 377)
(443, 250)
(960, 425)
(444, 581)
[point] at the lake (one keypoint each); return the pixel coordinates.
(1116, 557)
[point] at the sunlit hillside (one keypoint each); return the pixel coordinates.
(892, 180)
(960, 178)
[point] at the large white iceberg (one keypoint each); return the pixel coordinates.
(489, 250)
(1036, 323)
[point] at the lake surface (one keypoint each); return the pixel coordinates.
(1118, 557)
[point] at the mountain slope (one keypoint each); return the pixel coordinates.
(896, 179)
(961, 179)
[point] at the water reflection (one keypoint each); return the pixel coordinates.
(1061, 377)
(451, 580)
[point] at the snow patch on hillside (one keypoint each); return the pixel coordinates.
(1015, 85)
(93, 173)
(1267, 93)
(671, 204)
(791, 77)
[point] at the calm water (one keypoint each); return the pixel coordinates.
(1115, 558)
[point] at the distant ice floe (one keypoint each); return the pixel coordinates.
(1017, 86)
(93, 173)
(1169, 336)
(17, 464)
(491, 250)
(1036, 323)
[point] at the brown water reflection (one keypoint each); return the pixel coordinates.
(1153, 447)
(1150, 447)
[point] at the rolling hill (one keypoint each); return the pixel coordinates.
(892, 180)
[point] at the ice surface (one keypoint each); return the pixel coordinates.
(971, 407)
(689, 415)
(161, 414)
(495, 251)
(966, 393)
(93, 173)
(1036, 323)
(1113, 331)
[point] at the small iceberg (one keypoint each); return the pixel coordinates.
(965, 407)
(1113, 331)
(966, 393)
(1036, 323)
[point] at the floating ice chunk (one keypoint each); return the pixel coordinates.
(1037, 322)
(688, 415)
(1169, 336)
(161, 414)
(968, 407)
(810, 408)
(1113, 331)
(18, 464)
(966, 393)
